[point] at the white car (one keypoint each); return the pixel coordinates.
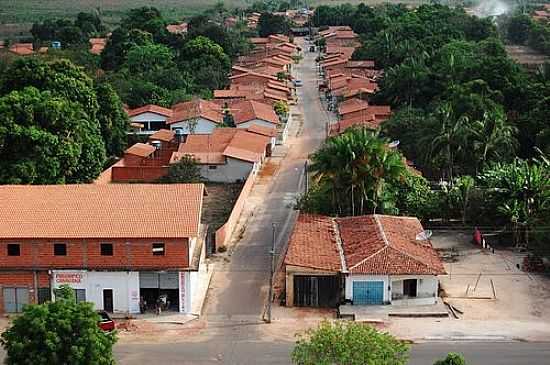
(298, 83)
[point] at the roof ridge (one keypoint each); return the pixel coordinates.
(384, 238)
(339, 246)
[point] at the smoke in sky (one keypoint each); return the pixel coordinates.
(491, 8)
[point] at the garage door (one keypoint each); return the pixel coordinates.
(316, 291)
(368, 292)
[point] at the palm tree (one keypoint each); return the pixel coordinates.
(357, 166)
(449, 141)
(493, 138)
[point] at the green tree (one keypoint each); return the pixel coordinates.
(452, 359)
(518, 28)
(348, 343)
(149, 58)
(118, 45)
(358, 170)
(272, 24)
(186, 170)
(518, 192)
(60, 332)
(112, 119)
(208, 61)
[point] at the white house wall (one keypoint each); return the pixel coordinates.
(125, 286)
(202, 126)
(148, 117)
(426, 285)
(231, 171)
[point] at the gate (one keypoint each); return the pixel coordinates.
(316, 291)
(368, 292)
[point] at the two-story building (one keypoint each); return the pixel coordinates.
(114, 244)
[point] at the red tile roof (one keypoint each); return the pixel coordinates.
(229, 142)
(248, 110)
(367, 120)
(313, 244)
(140, 149)
(22, 49)
(97, 45)
(100, 211)
(164, 135)
(177, 28)
(264, 131)
(196, 109)
(372, 244)
(352, 105)
(151, 108)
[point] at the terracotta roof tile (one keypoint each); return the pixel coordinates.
(150, 108)
(164, 135)
(373, 244)
(177, 28)
(265, 131)
(379, 244)
(352, 105)
(195, 109)
(230, 142)
(313, 245)
(248, 110)
(22, 49)
(100, 211)
(140, 149)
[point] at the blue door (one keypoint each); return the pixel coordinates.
(368, 292)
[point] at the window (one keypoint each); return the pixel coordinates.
(79, 294)
(15, 299)
(212, 167)
(158, 249)
(60, 249)
(106, 249)
(44, 295)
(14, 249)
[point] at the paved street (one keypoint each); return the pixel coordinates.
(240, 286)
(252, 352)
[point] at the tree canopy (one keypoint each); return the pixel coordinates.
(348, 343)
(60, 332)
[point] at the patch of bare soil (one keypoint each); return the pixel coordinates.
(218, 204)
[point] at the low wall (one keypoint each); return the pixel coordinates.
(137, 173)
(223, 234)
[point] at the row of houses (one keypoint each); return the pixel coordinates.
(348, 85)
(543, 14)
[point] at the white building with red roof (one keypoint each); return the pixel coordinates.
(377, 259)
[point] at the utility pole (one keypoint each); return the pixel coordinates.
(272, 271)
(306, 177)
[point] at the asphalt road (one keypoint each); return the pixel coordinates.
(253, 352)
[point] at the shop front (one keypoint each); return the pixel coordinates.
(112, 291)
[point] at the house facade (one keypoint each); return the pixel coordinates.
(365, 260)
(114, 244)
(195, 117)
(151, 118)
(226, 155)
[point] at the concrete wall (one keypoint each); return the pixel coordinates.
(125, 286)
(195, 126)
(231, 171)
(223, 234)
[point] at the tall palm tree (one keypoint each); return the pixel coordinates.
(449, 141)
(357, 166)
(493, 138)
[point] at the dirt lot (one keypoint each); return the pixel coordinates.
(521, 309)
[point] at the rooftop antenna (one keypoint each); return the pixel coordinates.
(424, 235)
